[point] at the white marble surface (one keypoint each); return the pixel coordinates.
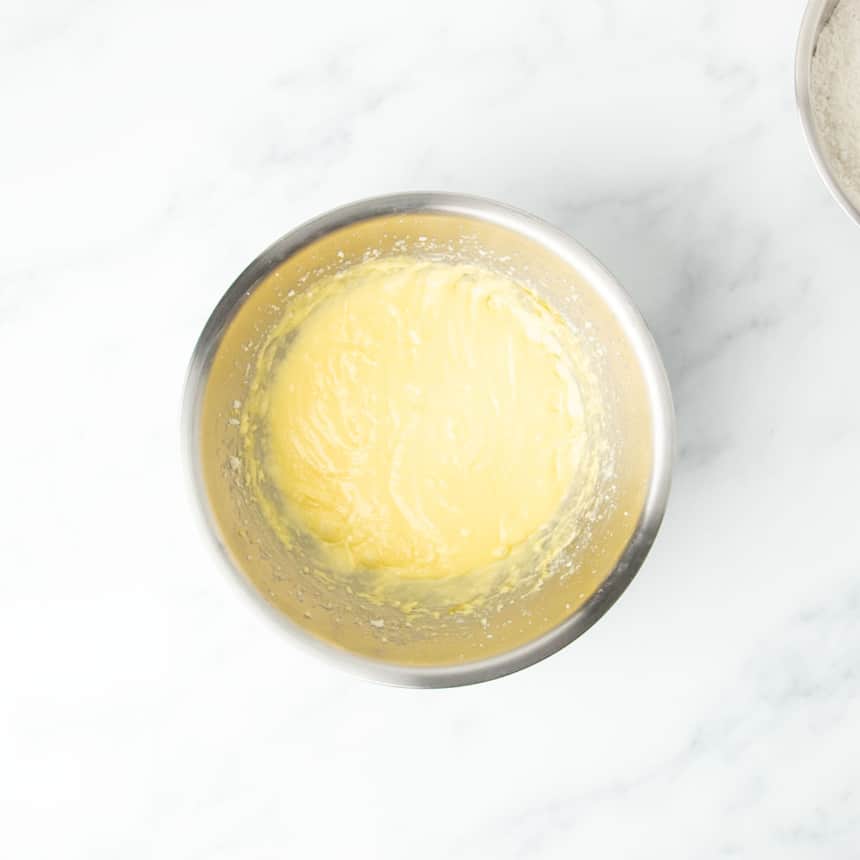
(149, 151)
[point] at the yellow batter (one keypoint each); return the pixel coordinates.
(425, 419)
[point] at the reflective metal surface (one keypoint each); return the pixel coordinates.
(454, 650)
(817, 14)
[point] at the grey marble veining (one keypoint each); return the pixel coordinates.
(149, 152)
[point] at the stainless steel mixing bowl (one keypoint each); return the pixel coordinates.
(454, 648)
(817, 14)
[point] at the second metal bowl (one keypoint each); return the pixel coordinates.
(817, 15)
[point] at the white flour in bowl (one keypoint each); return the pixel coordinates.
(835, 92)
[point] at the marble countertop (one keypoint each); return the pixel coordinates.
(149, 152)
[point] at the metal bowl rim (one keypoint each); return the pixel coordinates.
(598, 277)
(807, 39)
